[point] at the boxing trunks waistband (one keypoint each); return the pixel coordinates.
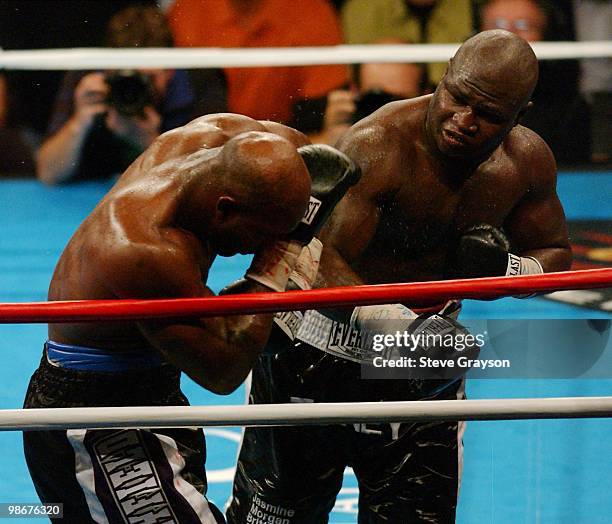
(83, 358)
(346, 341)
(336, 338)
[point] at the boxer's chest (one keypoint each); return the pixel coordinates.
(418, 225)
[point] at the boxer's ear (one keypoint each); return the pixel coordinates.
(522, 113)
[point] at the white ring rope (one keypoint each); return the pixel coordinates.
(304, 413)
(193, 58)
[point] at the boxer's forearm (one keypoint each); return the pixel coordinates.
(243, 339)
(335, 271)
(217, 353)
(552, 259)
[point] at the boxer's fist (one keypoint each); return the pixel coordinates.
(332, 173)
(481, 251)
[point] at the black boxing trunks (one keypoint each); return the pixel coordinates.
(408, 472)
(115, 476)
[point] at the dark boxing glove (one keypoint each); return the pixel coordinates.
(484, 251)
(332, 174)
(433, 343)
(481, 251)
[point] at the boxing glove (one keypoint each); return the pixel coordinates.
(484, 251)
(332, 173)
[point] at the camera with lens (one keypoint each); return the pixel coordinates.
(371, 100)
(129, 92)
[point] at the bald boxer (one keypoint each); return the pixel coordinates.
(221, 185)
(452, 186)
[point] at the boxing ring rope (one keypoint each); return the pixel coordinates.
(193, 58)
(431, 292)
(303, 414)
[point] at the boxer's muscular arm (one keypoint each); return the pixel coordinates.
(218, 352)
(537, 224)
(354, 221)
(347, 234)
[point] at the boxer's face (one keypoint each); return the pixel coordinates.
(247, 232)
(470, 115)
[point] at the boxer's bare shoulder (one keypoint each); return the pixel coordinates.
(232, 123)
(205, 132)
(405, 115)
(293, 135)
(532, 160)
(383, 143)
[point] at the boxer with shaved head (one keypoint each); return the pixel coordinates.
(452, 186)
(221, 185)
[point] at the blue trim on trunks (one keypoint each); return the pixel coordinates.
(93, 359)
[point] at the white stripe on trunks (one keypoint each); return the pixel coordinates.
(85, 474)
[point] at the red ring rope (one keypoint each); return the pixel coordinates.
(481, 288)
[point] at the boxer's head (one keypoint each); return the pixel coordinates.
(483, 94)
(264, 190)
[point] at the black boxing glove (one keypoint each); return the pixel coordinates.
(433, 342)
(484, 251)
(332, 173)
(481, 251)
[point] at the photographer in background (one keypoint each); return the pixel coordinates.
(103, 120)
(375, 84)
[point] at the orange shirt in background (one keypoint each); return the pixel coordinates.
(266, 93)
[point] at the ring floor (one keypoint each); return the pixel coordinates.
(546, 471)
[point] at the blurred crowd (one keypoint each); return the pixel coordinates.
(77, 125)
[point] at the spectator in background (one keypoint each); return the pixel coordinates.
(374, 85)
(16, 143)
(594, 22)
(559, 113)
(294, 95)
(41, 24)
(103, 121)
(418, 21)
